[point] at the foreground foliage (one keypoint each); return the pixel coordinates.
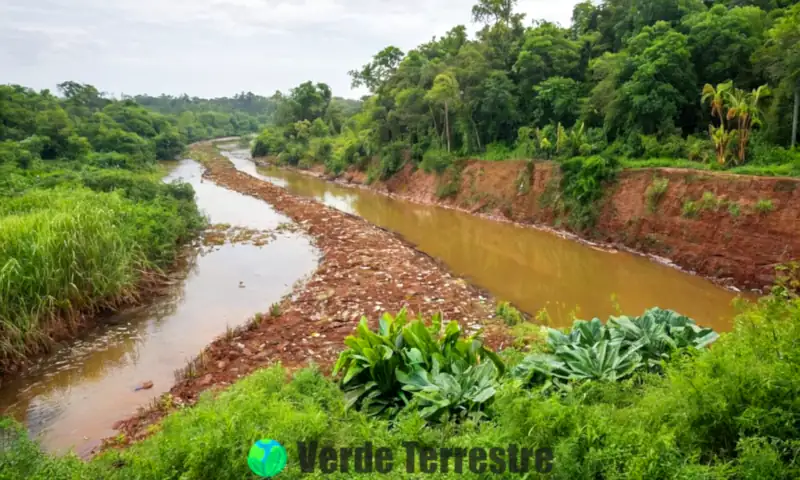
(727, 412)
(444, 374)
(612, 352)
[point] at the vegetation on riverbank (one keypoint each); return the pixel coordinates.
(85, 222)
(727, 412)
(689, 84)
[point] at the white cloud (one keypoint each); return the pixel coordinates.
(218, 47)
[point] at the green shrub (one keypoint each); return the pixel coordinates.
(510, 315)
(709, 201)
(655, 193)
(734, 209)
(764, 206)
(593, 351)
(583, 181)
(690, 209)
(391, 160)
(384, 370)
(436, 160)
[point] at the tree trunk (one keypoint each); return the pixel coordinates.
(477, 135)
(796, 112)
(447, 125)
(433, 116)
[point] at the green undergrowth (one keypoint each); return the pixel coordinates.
(727, 412)
(75, 242)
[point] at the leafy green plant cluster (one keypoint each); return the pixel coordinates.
(583, 183)
(655, 193)
(510, 315)
(612, 352)
(726, 412)
(404, 362)
(764, 206)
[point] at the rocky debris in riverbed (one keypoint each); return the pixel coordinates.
(364, 270)
(144, 386)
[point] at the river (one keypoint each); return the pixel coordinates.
(534, 269)
(72, 397)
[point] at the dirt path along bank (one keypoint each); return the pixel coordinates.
(364, 270)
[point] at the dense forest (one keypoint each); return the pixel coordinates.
(709, 84)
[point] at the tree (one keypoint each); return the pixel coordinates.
(745, 108)
(557, 101)
(716, 98)
(374, 74)
(445, 92)
(493, 11)
(722, 42)
(780, 57)
(657, 84)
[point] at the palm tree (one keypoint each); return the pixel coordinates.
(746, 110)
(716, 97)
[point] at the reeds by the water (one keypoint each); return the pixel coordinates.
(65, 253)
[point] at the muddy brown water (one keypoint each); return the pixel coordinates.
(71, 398)
(534, 269)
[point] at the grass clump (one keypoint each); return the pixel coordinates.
(510, 315)
(764, 206)
(655, 193)
(690, 209)
(71, 251)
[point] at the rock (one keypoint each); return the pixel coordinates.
(206, 380)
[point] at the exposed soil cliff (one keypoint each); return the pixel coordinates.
(732, 228)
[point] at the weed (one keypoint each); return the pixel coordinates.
(734, 209)
(709, 201)
(655, 193)
(690, 209)
(764, 206)
(510, 315)
(524, 178)
(449, 183)
(275, 310)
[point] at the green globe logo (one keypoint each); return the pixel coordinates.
(267, 458)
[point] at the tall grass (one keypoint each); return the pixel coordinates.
(66, 252)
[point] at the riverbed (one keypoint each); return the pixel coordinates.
(72, 397)
(534, 269)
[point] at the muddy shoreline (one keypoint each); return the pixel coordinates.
(349, 180)
(363, 270)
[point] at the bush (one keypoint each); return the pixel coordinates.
(583, 181)
(655, 193)
(403, 361)
(391, 160)
(764, 206)
(612, 352)
(436, 160)
(510, 315)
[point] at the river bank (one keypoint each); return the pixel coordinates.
(731, 229)
(363, 270)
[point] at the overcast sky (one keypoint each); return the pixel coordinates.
(219, 47)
